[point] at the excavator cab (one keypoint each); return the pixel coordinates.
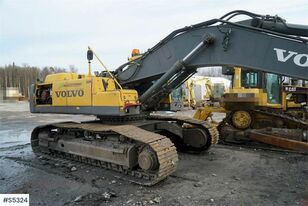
(270, 83)
(265, 89)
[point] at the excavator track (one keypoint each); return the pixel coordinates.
(163, 148)
(208, 127)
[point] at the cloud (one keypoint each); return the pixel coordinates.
(57, 33)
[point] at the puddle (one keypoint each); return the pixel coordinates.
(11, 138)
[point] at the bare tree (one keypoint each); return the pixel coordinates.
(72, 69)
(23, 76)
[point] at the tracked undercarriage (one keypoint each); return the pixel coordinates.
(266, 125)
(136, 148)
(266, 117)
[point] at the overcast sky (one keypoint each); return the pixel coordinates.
(57, 33)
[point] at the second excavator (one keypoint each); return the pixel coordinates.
(127, 137)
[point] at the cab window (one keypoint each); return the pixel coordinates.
(273, 88)
(249, 79)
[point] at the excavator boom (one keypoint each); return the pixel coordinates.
(264, 43)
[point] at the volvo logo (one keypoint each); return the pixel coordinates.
(70, 93)
(298, 59)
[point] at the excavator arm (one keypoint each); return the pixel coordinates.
(265, 43)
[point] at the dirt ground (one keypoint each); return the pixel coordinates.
(226, 175)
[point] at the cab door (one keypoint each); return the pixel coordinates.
(273, 88)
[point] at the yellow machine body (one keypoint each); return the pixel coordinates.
(199, 91)
(83, 94)
(239, 96)
(242, 98)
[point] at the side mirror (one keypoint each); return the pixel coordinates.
(90, 55)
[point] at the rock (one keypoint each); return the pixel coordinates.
(57, 164)
(106, 195)
(112, 193)
(69, 165)
(138, 203)
(151, 202)
(188, 197)
(73, 169)
(157, 199)
(129, 201)
(113, 182)
(236, 178)
(214, 175)
(57, 194)
(77, 199)
(212, 200)
(198, 184)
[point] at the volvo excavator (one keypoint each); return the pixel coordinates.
(127, 137)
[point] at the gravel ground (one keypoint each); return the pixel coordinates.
(226, 175)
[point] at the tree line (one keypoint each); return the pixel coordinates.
(25, 75)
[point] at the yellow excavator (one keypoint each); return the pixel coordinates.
(199, 91)
(127, 136)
